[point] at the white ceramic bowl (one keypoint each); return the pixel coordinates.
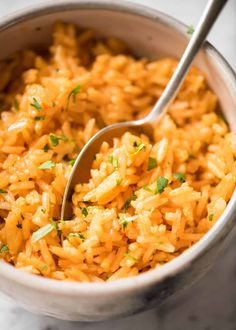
(152, 34)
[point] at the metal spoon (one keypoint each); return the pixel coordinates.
(81, 170)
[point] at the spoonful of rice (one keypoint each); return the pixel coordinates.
(81, 169)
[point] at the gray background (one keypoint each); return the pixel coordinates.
(210, 304)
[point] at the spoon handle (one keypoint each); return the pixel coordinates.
(211, 12)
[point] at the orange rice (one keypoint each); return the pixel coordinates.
(145, 203)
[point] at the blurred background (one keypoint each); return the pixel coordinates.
(209, 304)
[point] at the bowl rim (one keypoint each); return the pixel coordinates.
(181, 262)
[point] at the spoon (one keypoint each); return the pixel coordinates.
(80, 172)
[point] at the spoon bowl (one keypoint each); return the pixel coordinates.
(81, 169)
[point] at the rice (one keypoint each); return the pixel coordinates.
(146, 203)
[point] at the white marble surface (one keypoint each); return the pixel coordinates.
(211, 303)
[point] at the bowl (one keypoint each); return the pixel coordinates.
(152, 34)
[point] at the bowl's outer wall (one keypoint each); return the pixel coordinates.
(152, 39)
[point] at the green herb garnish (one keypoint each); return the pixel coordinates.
(191, 155)
(162, 262)
(63, 137)
(128, 202)
(44, 268)
(161, 184)
(46, 147)
(84, 211)
(152, 163)
(55, 139)
(113, 161)
(42, 232)
(36, 105)
(72, 94)
(210, 217)
(118, 182)
(135, 144)
(190, 29)
(55, 226)
(181, 177)
(124, 220)
(39, 118)
(43, 210)
(71, 162)
(16, 105)
(47, 165)
(78, 235)
(147, 188)
(4, 248)
(127, 255)
(141, 147)
(2, 191)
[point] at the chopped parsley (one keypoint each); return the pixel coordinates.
(161, 184)
(63, 137)
(190, 29)
(191, 155)
(147, 188)
(162, 262)
(128, 202)
(113, 161)
(71, 162)
(210, 217)
(72, 94)
(43, 210)
(127, 255)
(78, 235)
(39, 118)
(4, 248)
(16, 105)
(140, 147)
(152, 163)
(118, 182)
(36, 105)
(44, 268)
(47, 165)
(46, 147)
(124, 220)
(55, 139)
(135, 144)
(42, 232)
(84, 212)
(181, 177)
(3, 191)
